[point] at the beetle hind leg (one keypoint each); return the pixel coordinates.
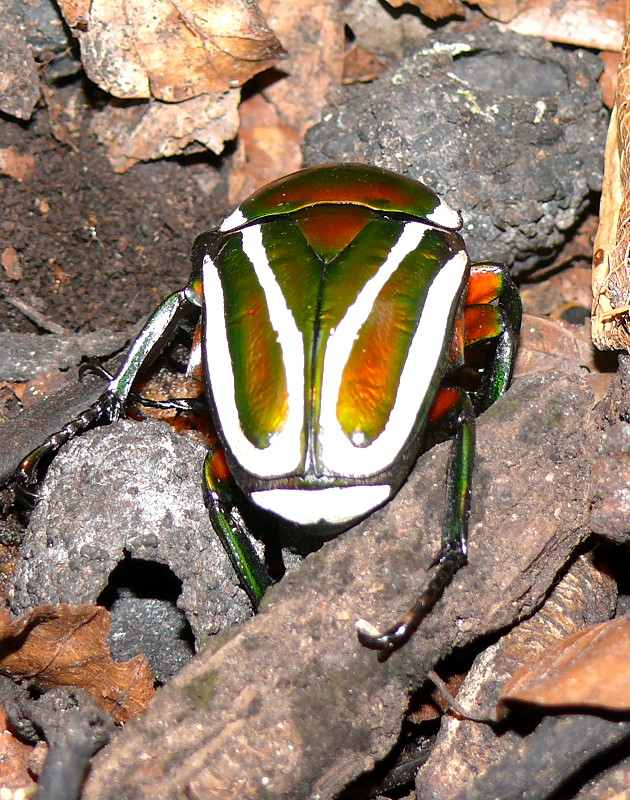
(453, 552)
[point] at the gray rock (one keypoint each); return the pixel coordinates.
(509, 129)
(130, 492)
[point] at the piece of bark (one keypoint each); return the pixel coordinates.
(464, 749)
(291, 705)
(558, 748)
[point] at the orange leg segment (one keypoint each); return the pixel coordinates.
(484, 285)
(482, 322)
(446, 399)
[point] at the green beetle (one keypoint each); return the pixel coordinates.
(335, 307)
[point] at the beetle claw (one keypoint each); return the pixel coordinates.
(95, 367)
(387, 641)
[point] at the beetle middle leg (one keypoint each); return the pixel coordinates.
(230, 527)
(452, 554)
(180, 404)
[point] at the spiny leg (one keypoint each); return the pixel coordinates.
(231, 529)
(109, 406)
(452, 555)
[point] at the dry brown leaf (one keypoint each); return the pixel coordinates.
(14, 759)
(588, 23)
(267, 148)
(173, 50)
(312, 33)
(608, 78)
(611, 266)
(433, 9)
(11, 263)
(360, 66)
(546, 344)
(153, 130)
(570, 285)
(15, 164)
(67, 646)
(589, 668)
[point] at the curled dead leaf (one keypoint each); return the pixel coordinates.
(172, 50)
(587, 23)
(66, 645)
(611, 267)
(434, 9)
(146, 131)
(588, 669)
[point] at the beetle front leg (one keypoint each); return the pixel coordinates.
(453, 552)
(231, 529)
(109, 406)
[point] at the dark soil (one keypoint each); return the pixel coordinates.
(97, 250)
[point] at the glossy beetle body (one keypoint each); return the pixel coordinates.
(336, 305)
(322, 389)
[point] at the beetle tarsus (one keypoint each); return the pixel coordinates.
(105, 410)
(446, 564)
(182, 405)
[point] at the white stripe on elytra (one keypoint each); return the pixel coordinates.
(444, 216)
(235, 220)
(334, 504)
(284, 453)
(338, 453)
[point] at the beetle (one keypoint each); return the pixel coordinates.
(335, 309)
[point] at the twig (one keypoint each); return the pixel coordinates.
(35, 316)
